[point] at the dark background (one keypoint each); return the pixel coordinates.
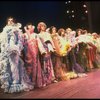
(95, 15)
(52, 13)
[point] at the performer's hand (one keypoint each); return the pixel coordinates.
(25, 28)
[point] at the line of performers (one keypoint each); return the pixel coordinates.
(29, 60)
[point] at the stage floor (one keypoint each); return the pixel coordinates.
(85, 87)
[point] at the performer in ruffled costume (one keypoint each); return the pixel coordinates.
(96, 42)
(13, 76)
(46, 62)
(32, 47)
(74, 65)
(58, 57)
(81, 49)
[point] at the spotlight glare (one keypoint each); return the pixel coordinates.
(65, 2)
(69, 1)
(72, 11)
(84, 5)
(73, 16)
(86, 11)
(67, 11)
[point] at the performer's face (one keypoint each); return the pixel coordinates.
(94, 36)
(43, 28)
(62, 33)
(54, 30)
(10, 21)
(68, 31)
(79, 33)
(30, 28)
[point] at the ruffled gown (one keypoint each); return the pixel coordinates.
(13, 76)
